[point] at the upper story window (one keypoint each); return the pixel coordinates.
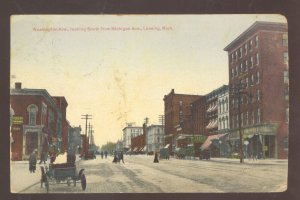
(232, 57)
(286, 76)
(246, 65)
(256, 41)
(252, 80)
(250, 45)
(285, 58)
(50, 119)
(246, 49)
(240, 52)
(236, 71)
(241, 67)
(251, 62)
(287, 115)
(32, 112)
(247, 82)
(226, 103)
(257, 58)
(257, 77)
(44, 113)
(232, 72)
(258, 95)
(285, 39)
(258, 116)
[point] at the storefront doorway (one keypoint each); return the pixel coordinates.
(31, 142)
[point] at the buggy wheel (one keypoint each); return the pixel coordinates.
(83, 181)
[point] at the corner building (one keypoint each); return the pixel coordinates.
(258, 60)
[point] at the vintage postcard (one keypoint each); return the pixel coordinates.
(149, 103)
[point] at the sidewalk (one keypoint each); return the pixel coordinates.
(21, 178)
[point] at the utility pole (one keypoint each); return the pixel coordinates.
(161, 119)
(86, 117)
(238, 92)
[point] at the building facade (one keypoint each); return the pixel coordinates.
(37, 123)
(129, 132)
(258, 61)
(177, 116)
(74, 142)
(154, 138)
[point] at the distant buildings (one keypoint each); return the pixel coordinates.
(130, 131)
(154, 138)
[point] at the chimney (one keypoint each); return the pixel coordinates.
(18, 85)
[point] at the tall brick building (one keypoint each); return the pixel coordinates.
(37, 122)
(177, 116)
(258, 59)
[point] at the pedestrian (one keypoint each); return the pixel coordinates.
(43, 158)
(116, 158)
(32, 161)
(105, 153)
(102, 154)
(121, 157)
(155, 158)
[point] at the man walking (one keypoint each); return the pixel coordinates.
(121, 157)
(32, 161)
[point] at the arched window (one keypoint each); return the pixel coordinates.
(32, 111)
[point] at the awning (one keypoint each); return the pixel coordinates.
(208, 141)
(180, 137)
(209, 125)
(215, 124)
(167, 146)
(135, 148)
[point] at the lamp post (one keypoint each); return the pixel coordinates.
(220, 142)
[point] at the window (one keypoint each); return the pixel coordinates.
(232, 121)
(286, 143)
(241, 67)
(285, 39)
(32, 110)
(232, 57)
(252, 80)
(258, 116)
(250, 45)
(247, 81)
(258, 95)
(246, 48)
(226, 122)
(44, 113)
(236, 71)
(232, 72)
(253, 119)
(50, 119)
(246, 65)
(220, 123)
(251, 62)
(180, 103)
(246, 118)
(285, 58)
(257, 58)
(226, 102)
(257, 78)
(286, 76)
(223, 120)
(287, 115)
(236, 54)
(286, 94)
(237, 119)
(256, 41)
(241, 52)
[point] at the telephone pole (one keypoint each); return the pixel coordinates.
(86, 117)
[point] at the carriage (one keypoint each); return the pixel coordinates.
(63, 173)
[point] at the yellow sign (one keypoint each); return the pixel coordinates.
(17, 120)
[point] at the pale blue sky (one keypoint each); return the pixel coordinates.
(122, 76)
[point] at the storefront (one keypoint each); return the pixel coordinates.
(258, 141)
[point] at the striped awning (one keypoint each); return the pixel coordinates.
(209, 139)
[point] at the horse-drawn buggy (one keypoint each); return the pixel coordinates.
(62, 173)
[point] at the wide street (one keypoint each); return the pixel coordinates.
(140, 175)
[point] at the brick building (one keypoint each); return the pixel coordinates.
(258, 60)
(37, 122)
(177, 116)
(138, 144)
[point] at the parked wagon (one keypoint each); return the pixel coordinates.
(65, 173)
